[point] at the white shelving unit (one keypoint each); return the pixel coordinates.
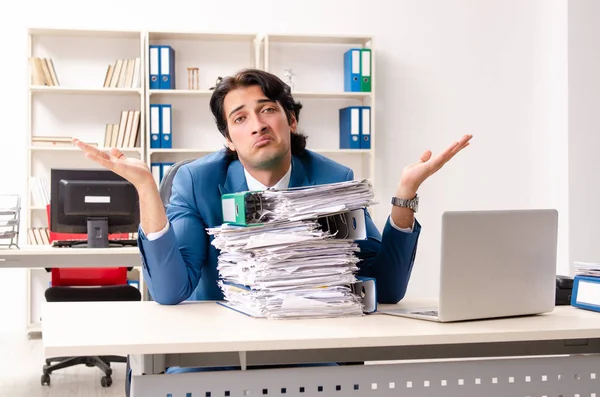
(81, 106)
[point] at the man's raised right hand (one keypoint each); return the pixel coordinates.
(133, 170)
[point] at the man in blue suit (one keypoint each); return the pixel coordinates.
(257, 115)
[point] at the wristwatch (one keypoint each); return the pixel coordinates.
(412, 203)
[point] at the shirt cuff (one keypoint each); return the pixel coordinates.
(405, 230)
(156, 235)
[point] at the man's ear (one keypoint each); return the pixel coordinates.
(293, 124)
(230, 144)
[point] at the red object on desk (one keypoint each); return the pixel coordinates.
(92, 276)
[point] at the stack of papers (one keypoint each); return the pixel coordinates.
(293, 266)
(313, 201)
(587, 269)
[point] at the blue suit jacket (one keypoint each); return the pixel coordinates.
(182, 264)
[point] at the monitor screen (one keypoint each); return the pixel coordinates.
(96, 202)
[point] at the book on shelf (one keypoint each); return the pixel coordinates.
(126, 134)
(38, 236)
(40, 192)
(43, 72)
(124, 73)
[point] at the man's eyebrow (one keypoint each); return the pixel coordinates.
(235, 110)
(264, 100)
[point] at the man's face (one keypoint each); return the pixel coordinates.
(258, 127)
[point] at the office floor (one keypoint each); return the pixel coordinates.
(21, 362)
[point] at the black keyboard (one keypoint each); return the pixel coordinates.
(74, 243)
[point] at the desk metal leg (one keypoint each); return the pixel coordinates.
(536, 376)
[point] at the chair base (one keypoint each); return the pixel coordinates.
(102, 362)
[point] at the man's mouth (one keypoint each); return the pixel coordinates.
(262, 141)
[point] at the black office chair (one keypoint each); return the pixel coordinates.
(166, 183)
(122, 292)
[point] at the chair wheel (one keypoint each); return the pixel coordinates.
(106, 381)
(45, 380)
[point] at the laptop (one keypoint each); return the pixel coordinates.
(499, 263)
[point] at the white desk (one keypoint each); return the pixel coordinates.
(45, 256)
(206, 334)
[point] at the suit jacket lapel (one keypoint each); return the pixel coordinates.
(299, 175)
(235, 180)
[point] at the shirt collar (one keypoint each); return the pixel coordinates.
(283, 183)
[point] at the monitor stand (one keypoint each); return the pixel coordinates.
(97, 234)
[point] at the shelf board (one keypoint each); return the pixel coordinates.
(297, 94)
(182, 151)
(74, 149)
(205, 36)
(340, 94)
(182, 92)
(83, 90)
(321, 151)
(308, 39)
(77, 33)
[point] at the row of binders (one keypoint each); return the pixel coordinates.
(357, 70)
(159, 170)
(161, 123)
(126, 134)
(355, 127)
(162, 67)
(124, 73)
(43, 72)
(292, 253)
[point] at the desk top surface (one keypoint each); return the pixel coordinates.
(35, 250)
(198, 327)
(47, 256)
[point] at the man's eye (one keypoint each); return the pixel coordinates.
(269, 109)
(238, 119)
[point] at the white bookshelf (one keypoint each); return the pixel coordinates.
(81, 106)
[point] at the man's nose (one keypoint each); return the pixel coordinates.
(259, 126)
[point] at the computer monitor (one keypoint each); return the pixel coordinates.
(93, 201)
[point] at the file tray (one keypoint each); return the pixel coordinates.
(241, 208)
(365, 289)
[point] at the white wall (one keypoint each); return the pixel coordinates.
(494, 68)
(584, 135)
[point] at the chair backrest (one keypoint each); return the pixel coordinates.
(166, 183)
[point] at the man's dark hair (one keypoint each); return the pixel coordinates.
(273, 88)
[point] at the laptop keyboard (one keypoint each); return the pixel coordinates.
(427, 313)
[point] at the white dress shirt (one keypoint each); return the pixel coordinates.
(253, 184)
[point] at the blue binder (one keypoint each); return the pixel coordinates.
(164, 168)
(154, 66)
(155, 124)
(586, 293)
(365, 127)
(350, 127)
(156, 169)
(166, 125)
(352, 78)
(167, 68)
